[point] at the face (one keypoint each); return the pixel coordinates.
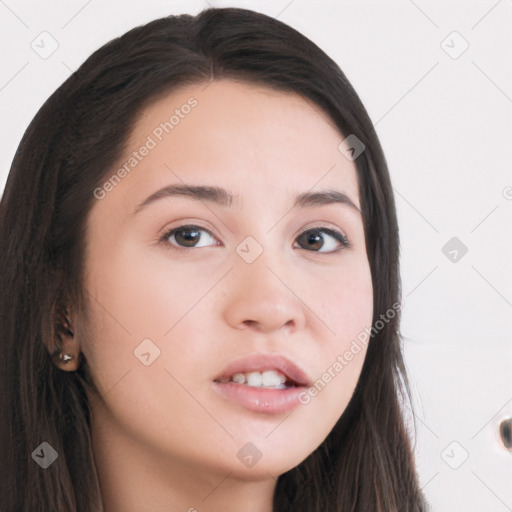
(264, 281)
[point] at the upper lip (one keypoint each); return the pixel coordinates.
(262, 362)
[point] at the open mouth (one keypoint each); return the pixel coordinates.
(268, 379)
(264, 383)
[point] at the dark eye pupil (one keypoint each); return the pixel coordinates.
(187, 237)
(313, 239)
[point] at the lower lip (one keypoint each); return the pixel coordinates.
(271, 401)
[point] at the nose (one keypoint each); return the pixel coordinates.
(261, 296)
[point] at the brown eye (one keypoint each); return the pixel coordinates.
(322, 240)
(189, 237)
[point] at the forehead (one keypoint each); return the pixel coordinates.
(224, 106)
(247, 137)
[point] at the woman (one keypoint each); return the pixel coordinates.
(200, 297)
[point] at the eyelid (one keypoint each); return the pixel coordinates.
(188, 223)
(325, 226)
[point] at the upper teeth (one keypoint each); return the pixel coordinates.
(267, 379)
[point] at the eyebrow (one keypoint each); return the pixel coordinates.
(225, 198)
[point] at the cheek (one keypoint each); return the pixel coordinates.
(345, 302)
(346, 308)
(144, 295)
(136, 297)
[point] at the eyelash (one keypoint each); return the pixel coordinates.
(340, 237)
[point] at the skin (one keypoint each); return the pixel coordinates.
(162, 439)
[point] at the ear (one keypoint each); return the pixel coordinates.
(67, 355)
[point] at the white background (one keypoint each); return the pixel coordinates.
(445, 122)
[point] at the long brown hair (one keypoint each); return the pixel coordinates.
(366, 463)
